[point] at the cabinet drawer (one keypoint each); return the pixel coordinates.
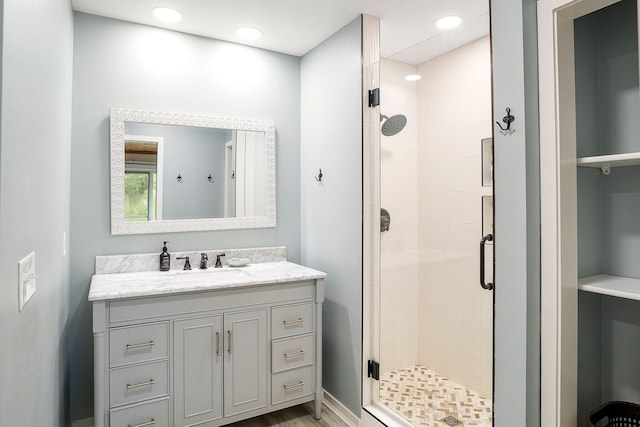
(154, 414)
(291, 320)
(141, 343)
(292, 353)
(291, 384)
(139, 382)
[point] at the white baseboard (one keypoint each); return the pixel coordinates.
(87, 422)
(341, 411)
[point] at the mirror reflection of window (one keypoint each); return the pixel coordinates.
(143, 178)
(140, 196)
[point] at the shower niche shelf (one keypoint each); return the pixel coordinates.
(615, 286)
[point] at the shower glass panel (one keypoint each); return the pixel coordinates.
(435, 322)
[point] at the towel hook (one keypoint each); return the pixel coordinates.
(210, 178)
(179, 178)
(508, 119)
(319, 177)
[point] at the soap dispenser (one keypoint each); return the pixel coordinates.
(165, 259)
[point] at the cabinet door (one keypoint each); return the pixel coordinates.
(198, 360)
(245, 365)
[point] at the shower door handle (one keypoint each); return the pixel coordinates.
(485, 239)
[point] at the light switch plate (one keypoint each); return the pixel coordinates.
(26, 278)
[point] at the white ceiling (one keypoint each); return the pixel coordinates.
(294, 27)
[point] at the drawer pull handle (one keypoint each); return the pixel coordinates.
(217, 343)
(293, 322)
(296, 385)
(144, 344)
(148, 423)
(298, 353)
(146, 383)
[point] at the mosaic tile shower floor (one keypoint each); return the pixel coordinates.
(427, 399)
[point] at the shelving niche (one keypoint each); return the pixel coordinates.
(608, 205)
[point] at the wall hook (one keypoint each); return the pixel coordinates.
(319, 177)
(508, 119)
(233, 175)
(210, 178)
(179, 178)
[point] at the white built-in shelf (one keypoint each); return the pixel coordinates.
(610, 161)
(616, 286)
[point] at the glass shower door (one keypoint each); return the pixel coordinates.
(434, 321)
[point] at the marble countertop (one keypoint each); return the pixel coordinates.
(150, 283)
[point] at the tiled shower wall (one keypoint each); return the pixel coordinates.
(399, 246)
(455, 313)
(433, 311)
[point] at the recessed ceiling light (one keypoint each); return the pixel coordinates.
(412, 77)
(248, 33)
(166, 14)
(448, 22)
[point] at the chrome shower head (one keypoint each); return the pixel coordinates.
(393, 125)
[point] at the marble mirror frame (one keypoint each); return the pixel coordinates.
(117, 129)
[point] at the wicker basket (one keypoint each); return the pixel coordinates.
(618, 414)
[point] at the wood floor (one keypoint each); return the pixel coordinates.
(297, 416)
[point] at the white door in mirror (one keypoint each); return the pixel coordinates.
(27, 278)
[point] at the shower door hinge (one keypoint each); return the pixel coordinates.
(374, 97)
(373, 370)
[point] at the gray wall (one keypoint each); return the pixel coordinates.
(517, 215)
(332, 210)
(35, 138)
(607, 107)
(195, 196)
(118, 64)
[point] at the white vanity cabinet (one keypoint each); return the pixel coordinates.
(229, 349)
(208, 357)
(198, 358)
(245, 361)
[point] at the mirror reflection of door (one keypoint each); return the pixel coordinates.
(143, 177)
(229, 180)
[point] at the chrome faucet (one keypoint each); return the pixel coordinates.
(203, 261)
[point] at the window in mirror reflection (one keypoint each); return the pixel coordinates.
(140, 196)
(143, 177)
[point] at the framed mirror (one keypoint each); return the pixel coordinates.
(173, 172)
